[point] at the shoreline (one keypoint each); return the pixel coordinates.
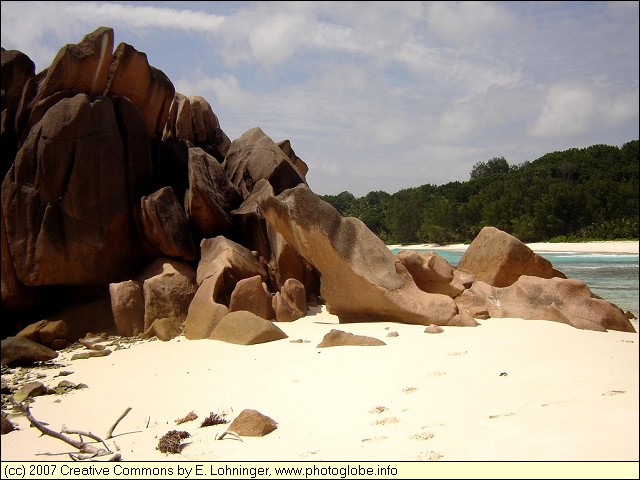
(621, 247)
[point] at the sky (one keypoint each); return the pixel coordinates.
(379, 96)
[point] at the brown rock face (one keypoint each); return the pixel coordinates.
(282, 260)
(252, 295)
(433, 274)
(204, 314)
(81, 67)
(65, 200)
(131, 76)
(15, 295)
(250, 224)
(72, 323)
(168, 287)
(499, 259)
(164, 329)
(222, 265)
(77, 68)
(558, 299)
(290, 303)
(166, 226)
(255, 156)
(127, 305)
(17, 69)
(300, 165)
(246, 328)
(285, 263)
(211, 196)
(21, 350)
(224, 258)
(206, 129)
(192, 119)
(361, 280)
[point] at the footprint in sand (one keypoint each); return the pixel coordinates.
(557, 403)
(614, 392)
(429, 456)
(422, 436)
(386, 421)
(409, 389)
(306, 454)
(378, 409)
(382, 437)
(503, 415)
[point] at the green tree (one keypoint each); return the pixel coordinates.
(440, 222)
(493, 166)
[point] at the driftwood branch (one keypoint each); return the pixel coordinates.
(229, 432)
(81, 434)
(86, 448)
(113, 427)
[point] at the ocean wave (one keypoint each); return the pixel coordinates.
(590, 256)
(600, 266)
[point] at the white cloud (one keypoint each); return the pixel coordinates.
(464, 24)
(271, 41)
(570, 110)
(143, 16)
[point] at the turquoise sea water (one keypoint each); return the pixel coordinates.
(613, 277)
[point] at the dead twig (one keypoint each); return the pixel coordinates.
(81, 434)
(113, 427)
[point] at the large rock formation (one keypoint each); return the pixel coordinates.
(558, 299)
(255, 156)
(499, 259)
(222, 265)
(361, 280)
(65, 200)
(282, 261)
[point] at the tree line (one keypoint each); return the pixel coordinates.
(573, 195)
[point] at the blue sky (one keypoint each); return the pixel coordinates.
(380, 95)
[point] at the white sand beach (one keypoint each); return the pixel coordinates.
(507, 390)
(630, 247)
